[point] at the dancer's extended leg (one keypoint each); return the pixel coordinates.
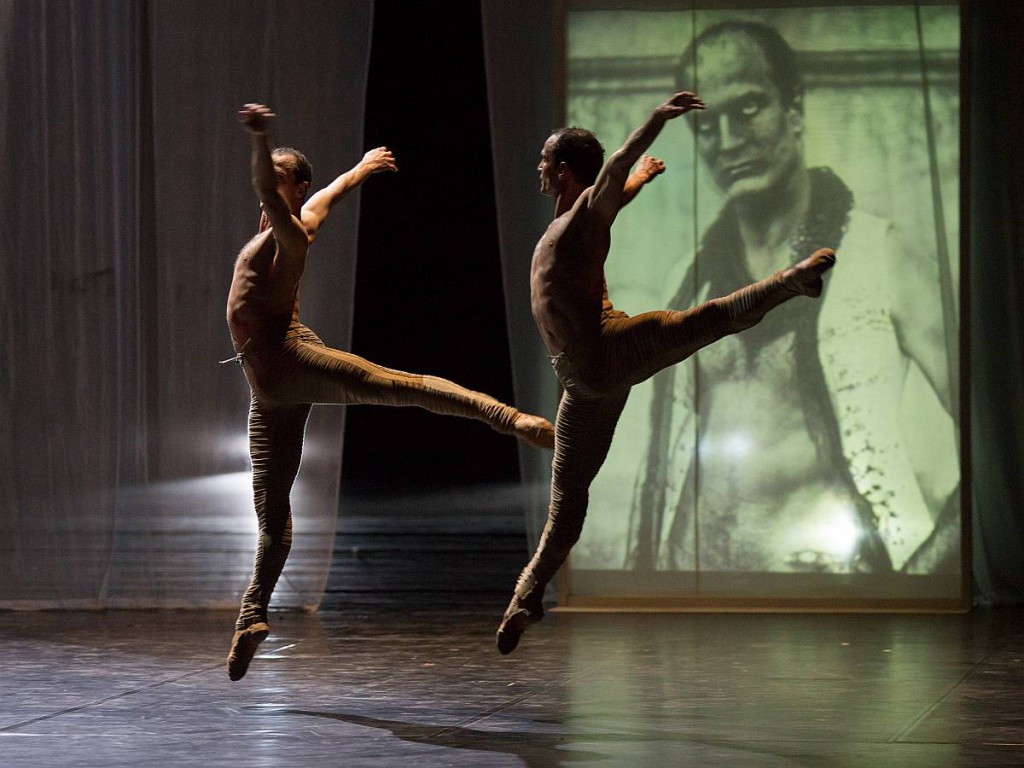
(314, 373)
(633, 349)
(585, 425)
(275, 448)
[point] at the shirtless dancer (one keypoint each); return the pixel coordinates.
(289, 368)
(598, 352)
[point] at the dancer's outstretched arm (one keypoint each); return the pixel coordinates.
(607, 193)
(315, 210)
(288, 230)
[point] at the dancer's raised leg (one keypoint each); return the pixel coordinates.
(633, 349)
(315, 373)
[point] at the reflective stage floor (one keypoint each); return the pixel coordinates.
(378, 684)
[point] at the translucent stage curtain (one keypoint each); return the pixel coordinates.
(124, 478)
(519, 46)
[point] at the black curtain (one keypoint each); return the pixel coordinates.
(995, 179)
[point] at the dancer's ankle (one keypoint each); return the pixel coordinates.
(534, 430)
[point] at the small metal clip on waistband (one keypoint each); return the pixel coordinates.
(240, 356)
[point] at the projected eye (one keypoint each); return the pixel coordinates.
(750, 108)
(706, 125)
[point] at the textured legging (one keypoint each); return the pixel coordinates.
(596, 377)
(286, 378)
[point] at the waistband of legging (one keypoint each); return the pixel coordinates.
(239, 357)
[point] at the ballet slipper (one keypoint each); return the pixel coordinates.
(521, 613)
(243, 647)
(804, 277)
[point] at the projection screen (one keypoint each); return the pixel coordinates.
(814, 459)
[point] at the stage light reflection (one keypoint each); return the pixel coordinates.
(830, 543)
(236, 446)
(737, 445)
(223, 501)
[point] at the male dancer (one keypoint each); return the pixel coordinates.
(598, 352)
(289, 368)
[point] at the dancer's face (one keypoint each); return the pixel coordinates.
(749, 140)
(548, 169)
(294, 193)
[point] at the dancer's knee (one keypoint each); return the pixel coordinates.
(279, 541)
(566, 522)
(274, 517)
(562, 541)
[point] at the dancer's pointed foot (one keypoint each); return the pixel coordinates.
(521, 613)
(243, 648)
(534, 430)
(804, 277)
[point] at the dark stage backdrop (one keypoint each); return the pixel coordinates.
(428, 282)
(126, 194)
(996, 226)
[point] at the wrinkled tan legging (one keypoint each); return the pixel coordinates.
(596, 375)
(286, 379)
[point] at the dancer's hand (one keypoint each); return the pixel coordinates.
(379, 159)
(648, 168)
(256, 117)
(679, 104)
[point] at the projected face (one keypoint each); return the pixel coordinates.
(749, 139)
(547, 167)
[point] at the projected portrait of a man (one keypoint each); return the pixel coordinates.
(796, 447)
(802, 465)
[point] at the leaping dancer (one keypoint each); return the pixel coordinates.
(598, 352)
(289, 369)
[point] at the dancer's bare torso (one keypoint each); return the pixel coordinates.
(567, 277)
(264, 291)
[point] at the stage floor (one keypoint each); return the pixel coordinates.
(379, 685)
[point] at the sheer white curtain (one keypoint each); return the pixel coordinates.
(126, 196)
(521, 55)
